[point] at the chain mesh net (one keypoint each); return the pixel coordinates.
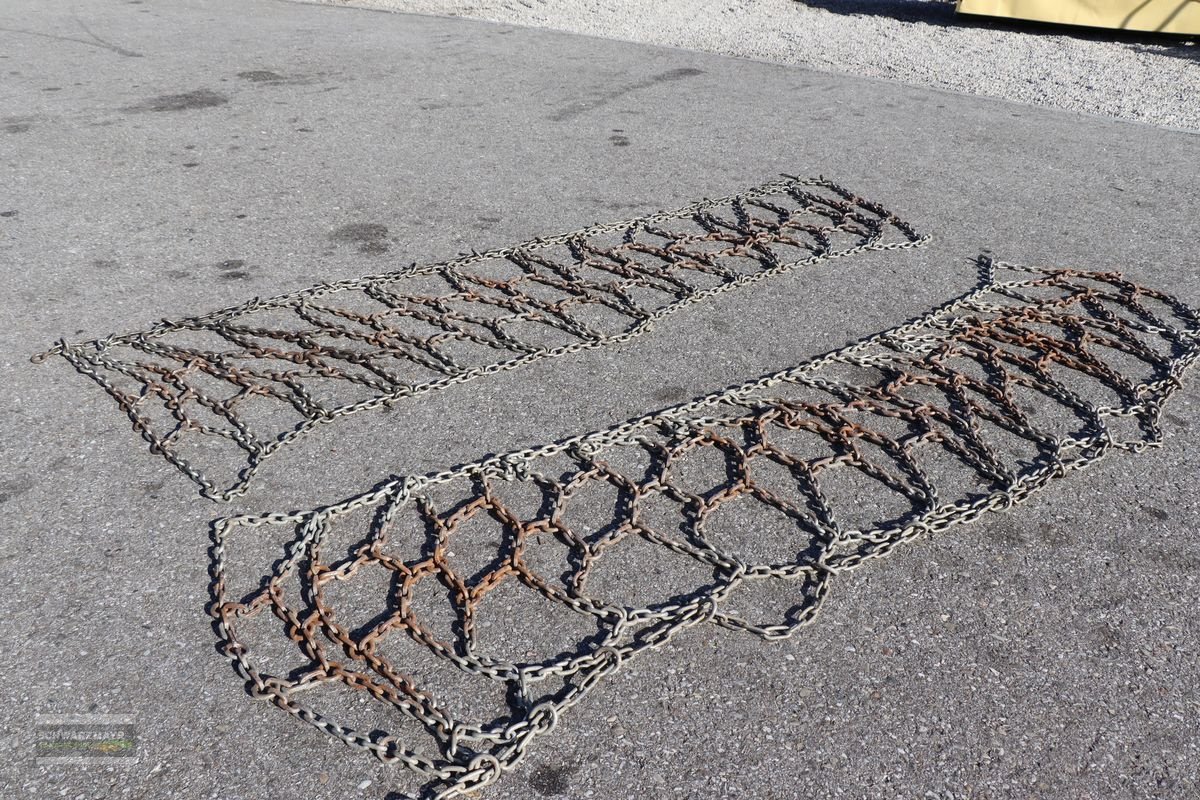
(474, 606)
(217, 394)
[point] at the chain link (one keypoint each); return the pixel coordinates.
(969, 409)
(250, 379)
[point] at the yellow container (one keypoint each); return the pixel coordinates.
(1160, 16)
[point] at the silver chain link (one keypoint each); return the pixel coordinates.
(254, 377)
(1091, 348)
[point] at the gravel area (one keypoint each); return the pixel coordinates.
(920, 42)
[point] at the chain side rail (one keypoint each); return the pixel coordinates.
(216, 395)
(537, 573)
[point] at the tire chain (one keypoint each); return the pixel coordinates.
(891, 411)
(252, 378)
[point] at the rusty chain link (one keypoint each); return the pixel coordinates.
(234, 386)
(736, 509)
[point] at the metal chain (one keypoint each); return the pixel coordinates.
(971, 408)
(250, 379)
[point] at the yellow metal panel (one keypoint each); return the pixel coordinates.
(1165, 16)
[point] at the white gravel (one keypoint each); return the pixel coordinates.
(1147, 78)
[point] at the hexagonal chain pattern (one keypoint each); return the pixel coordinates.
(534, 574)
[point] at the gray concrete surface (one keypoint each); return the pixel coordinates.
(919, 42)
(1049, 652)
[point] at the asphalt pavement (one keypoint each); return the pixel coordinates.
(166, 157)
